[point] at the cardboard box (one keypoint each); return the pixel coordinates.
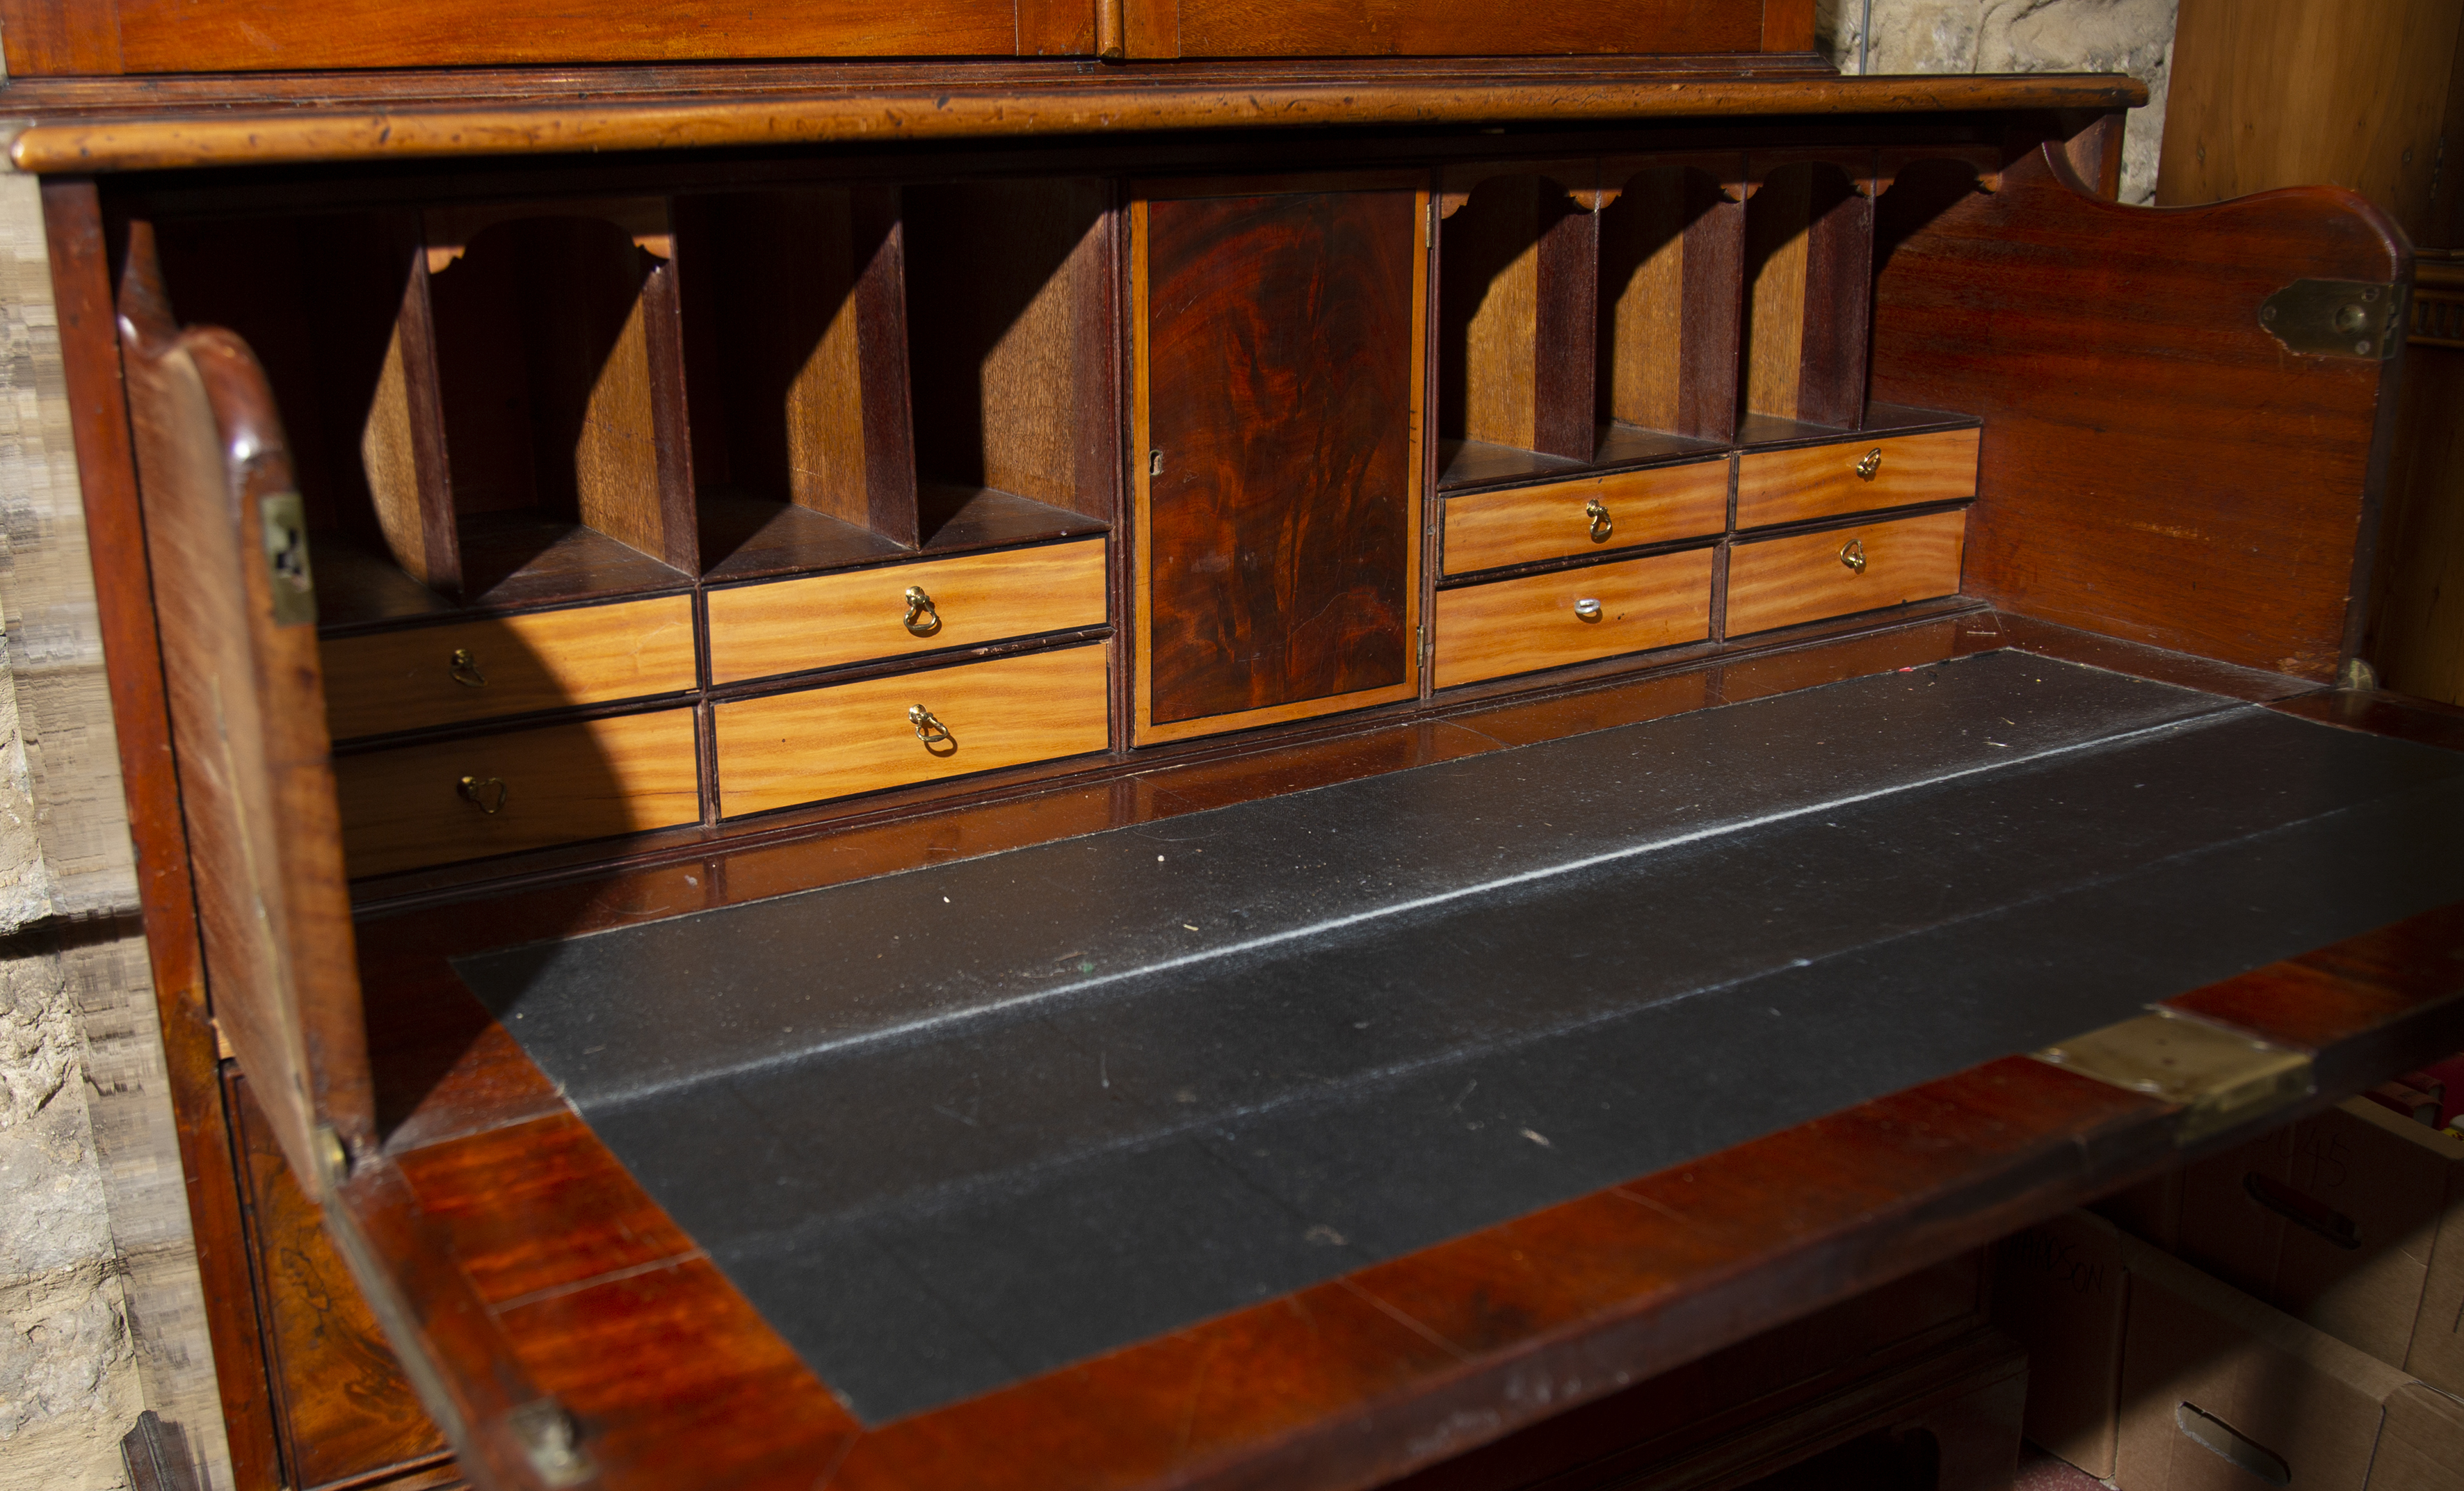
(2421, 1445)
(2221, 1392)
(2062, 1291)
(2337, 1220)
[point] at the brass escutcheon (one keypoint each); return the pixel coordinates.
(1852, 554)
(465, 670)
(922, 618)
(1597, 511)
(932, 732)
(1871, 463)
(487, 794)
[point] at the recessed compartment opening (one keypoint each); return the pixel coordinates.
(560, 377)
(1009, 334)
(1671, 245)
(1808, 277)
(325, 301)
(796, 363)
(1516, 266)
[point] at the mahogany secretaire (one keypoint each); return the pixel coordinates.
(1171, 742)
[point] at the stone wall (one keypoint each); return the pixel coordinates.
(2134, 36)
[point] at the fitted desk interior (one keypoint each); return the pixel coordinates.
(1216, 774)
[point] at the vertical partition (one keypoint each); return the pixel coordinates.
(1809, 265)
(1672, 257)
(1517, 284)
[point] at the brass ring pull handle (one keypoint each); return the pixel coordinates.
(1871, 463)
(1597, 511)
(465, 670)
(1588, 609)
(487, 794)
(932, 732)
(922, 618)
(1852, 554)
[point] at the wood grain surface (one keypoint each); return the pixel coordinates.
(1516, 625)
(1783, 581)
(1278, 404)
(825, 619)
(1441, 27)
(247, 719)
(402, 807)
(236, 36)
(2115, 356)
(1522, 525)
(1822, 481)
(344, 1407)
(542, 660)
(790, 748)
(818, 106)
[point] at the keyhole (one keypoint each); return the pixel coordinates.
(1154, 463)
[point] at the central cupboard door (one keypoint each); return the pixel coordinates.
(1277, 394)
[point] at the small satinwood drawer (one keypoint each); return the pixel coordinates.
(818, 743)
(789, 625)
(1523, 525)
(507, 664)
(1855, 476)
(526, 789)
(1782, 582)
(1572, 616)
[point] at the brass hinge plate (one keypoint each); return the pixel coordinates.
(284, 525)
(2335, 319)
(2220, 1078)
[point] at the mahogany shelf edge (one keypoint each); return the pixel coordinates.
(1070, 101)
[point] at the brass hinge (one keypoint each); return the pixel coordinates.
(2220, 1078)
(2335, 319)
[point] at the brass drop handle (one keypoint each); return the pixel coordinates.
(1852, 554)
(1597, 511)
(931, 731)
(487, 794)
(465, 670)
(1871, 463)
(1588, 608)
(922, 618)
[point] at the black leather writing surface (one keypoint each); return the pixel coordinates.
(1118, 1084)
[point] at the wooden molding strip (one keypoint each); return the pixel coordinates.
(1077, 104)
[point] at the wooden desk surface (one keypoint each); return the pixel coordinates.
(614, 1309)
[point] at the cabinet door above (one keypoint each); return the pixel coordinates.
(1280, 370)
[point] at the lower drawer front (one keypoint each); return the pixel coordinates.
(820, 743)
(1782, 582)
(526, 789)
(1572, 616)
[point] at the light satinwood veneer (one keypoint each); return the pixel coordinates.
(820, 743)
(406, 808)
(757, 631)
(507, 664)
(1807, 576)
(1822, 481)
(1516, 625)
(1524, 525)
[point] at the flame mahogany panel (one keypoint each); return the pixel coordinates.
(1280, 390)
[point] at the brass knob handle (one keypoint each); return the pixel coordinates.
(922, 618)
(1870, 463)
(1852, 554)
(1588, 609)
(487, 794)
(932, 732)
(1597, 511)
(465, 670)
